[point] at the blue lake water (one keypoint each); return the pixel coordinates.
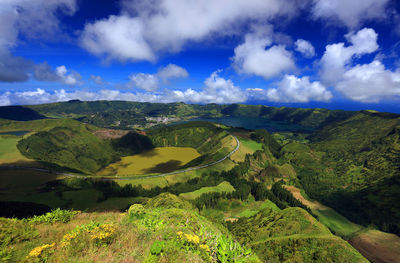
(254, 123)
(15, 133)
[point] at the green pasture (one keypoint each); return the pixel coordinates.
(82, 199)
(222, 187)
(23, 181)
(9, 152)
(336, 222)
(157, 160)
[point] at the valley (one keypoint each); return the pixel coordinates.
(303, 190)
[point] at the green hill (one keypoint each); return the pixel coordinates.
(347, 163)
(292, 235)
(205, 137)
(78, 147)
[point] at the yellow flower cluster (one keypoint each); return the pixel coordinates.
(205, 247)
(188, 237)
(98, 233)
(192, 238)
(103, 232)
(37, 251)
(66, 240)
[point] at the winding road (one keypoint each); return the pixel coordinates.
(133, 177)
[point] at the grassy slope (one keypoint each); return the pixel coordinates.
(352, 166)
(73, 147)
(376, 246)
(292, 235)
(222, 187)
(132, 237)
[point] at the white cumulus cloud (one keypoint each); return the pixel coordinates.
(148, 82)
(216, 90)
(43, 72)
(253, 58)
(305, 48)
(172, 71)
(293, 89)
(370, 83)
(151, 82)
(337, 57)
(146, 28)
(349, 12)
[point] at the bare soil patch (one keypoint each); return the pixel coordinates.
(311, 204)
(110, 134)
(378, 246)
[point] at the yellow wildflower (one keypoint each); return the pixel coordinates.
(37, 251)
(205, 247)
(192, 238)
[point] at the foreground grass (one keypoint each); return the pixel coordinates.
(166, 229)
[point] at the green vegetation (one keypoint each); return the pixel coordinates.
(82, 199)
(8, 150)
(336, 222)
(165, 229)
(157, 160)
(292, 235)
(56, 215)
(222, 187)
(345, 160)
(79, 149)
(352, 166)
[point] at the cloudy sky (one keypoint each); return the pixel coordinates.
(336, 54)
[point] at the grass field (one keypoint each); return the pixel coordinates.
(336, 222)
(157, 160)
(163, 181)
(253, 145)
(327, 216)
(15, 181)
(247, 146)
(48, 198)
(82, 199)
(9, 152)
(222, 187)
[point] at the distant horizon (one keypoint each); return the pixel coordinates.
(345, 107)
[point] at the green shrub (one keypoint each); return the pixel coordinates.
(56, 215)
(136, 210)
(167, 200)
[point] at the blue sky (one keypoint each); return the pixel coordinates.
(335, 54)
